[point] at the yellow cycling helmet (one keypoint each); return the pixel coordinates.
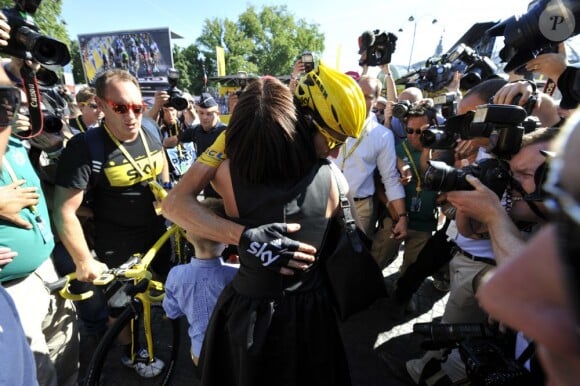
(335, 98)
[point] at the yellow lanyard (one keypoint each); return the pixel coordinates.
(415, 170)
(130, 158)
(346, 155)
(80, 124)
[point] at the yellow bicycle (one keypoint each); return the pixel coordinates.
(133, 290)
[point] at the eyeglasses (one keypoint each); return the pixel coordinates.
(92, 105)
(9, 105)
(124, 109)
(414, 131)
(331, 142)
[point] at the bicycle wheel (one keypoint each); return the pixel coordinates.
(107, 368)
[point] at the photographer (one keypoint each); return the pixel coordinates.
(181, 155)
(537, 290)
(203, 134)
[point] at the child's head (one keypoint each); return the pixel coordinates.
(205, 248)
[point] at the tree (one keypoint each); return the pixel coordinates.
(77, 64)
(267, 42)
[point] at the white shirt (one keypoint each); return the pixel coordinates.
(359, 157)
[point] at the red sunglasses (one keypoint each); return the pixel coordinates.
(124, 109)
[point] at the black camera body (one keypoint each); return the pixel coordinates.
(26, 42)
(401, 109)
(503, 124)
(540, 29)
(378, 45)
(437, 73)
(479, 68)
(176, 99)
(492, 172)
(446, 104)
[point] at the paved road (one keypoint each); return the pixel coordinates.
(377, 344)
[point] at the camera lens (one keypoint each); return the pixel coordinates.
(440, 176)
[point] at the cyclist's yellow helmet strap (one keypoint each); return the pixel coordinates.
(335, 99)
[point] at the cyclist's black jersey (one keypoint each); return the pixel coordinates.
(270, 329)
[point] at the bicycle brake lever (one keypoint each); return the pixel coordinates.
(104, 279)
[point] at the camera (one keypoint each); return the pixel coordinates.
(446, 104)
(487, 355)
(545, 24)
(26, 42)
(492, 172)
(308, 60)
(401, 109)
(479, 68)
(378, 46)
(176, 99)
(437, 73)
(503, 124)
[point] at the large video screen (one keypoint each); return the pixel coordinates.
(145, 53)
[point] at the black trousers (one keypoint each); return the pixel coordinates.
(434, 255)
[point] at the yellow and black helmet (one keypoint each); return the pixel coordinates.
(335, 98)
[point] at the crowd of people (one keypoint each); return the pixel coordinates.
(500, 239)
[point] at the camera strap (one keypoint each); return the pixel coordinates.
(30, 84)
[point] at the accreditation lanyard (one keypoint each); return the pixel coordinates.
(130, 158)
(44, 230)
(346, 155)
(80, 124)
(415, 170)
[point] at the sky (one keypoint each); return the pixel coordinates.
(340, 21)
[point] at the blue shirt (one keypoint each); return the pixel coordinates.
(192, 290)
(17, 366)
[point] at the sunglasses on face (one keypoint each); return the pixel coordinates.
(331, 142)
(414, 131)
(124, 108)
(9, 105)
(92, 105)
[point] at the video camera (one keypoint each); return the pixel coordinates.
(437, 73)
(25, 40)
(478, 68)
(545, 24)
(378, 46)
(176, 99)
(503, 124)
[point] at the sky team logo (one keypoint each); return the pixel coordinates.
(265, 254)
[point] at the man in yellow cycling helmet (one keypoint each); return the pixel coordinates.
(335, 104)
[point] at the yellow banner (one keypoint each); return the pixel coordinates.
(221, 60)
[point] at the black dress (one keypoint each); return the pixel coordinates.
(271, 329)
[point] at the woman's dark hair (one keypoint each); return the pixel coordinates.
(265, 139)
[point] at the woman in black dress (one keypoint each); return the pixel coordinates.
(274, 325)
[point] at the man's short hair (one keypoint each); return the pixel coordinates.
(85, 94)
(486, 89)
(106, 77)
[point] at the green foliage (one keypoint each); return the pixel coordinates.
(77, 65)
(264, 42)
(47, 18)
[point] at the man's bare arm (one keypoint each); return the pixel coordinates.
(182, 207)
